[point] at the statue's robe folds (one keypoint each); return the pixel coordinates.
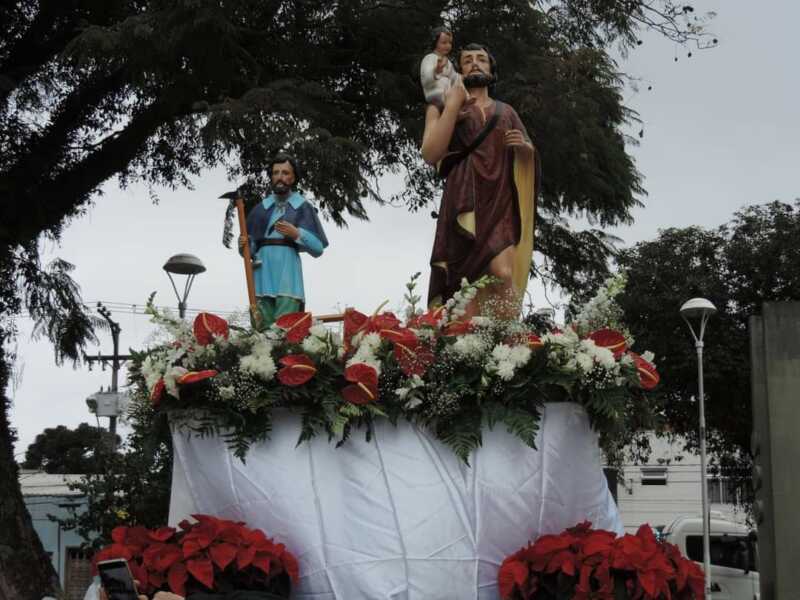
(487, 206)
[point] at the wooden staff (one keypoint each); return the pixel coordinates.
(255, 314)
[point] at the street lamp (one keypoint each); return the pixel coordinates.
(700, 310)
(183, 264)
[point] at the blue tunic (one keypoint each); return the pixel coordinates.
(281, 272)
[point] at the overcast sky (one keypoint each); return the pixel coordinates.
(721, 131)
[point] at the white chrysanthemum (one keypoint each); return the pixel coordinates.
(520, 355)
(314, 345)
(605, 358)
(585, 362)
(649, 357)
(626, 360)
(505, 370)
(469, 345)
(501, 352)
(259, 362)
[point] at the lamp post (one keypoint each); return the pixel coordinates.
(183, 264)
(700, 309)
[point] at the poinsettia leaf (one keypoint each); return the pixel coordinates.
(177, 577)
(162, 534)
(512, 574)
(222, 554)
(244, 557)
(291, 566)
(262, 562)
(202, 570)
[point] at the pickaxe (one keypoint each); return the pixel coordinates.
(235, 197)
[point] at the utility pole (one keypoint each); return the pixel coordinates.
(115, 360)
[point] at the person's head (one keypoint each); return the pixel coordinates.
(442, 41)
(284, 173)
(477, 66)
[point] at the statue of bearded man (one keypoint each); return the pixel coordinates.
(485, 222)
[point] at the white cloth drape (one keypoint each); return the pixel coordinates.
(400, 517)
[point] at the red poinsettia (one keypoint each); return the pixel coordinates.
(648, 376)
(297, 369)
(296, 325)
(207, 325)
(195, 376)
(608, 338)
(364, 386)
(208, 555)
(592, 560)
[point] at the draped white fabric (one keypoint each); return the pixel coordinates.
(400, 517)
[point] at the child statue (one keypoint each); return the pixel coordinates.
(437, 74)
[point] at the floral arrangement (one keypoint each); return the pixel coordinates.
(211, 555)
(587, 564)
(437, 369)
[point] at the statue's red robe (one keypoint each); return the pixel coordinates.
(487, 206)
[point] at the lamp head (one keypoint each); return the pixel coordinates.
(184, 264)
(697, 308)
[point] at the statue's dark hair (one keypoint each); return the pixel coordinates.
(472, 48)
(436, 33)
(282, 157)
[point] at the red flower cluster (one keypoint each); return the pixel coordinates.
(211, 554)
(615, 341)
(598, 564)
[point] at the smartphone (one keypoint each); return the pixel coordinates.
(117, 579)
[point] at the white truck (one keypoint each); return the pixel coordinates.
(733, 549)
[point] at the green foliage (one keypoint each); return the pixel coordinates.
(158, 91)
(753, 259)
(134, 485)
(64, 450)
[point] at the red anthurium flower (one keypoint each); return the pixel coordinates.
(157, 393)
(297, 369)
(429, 319)
(400, 336)
(296, 325)
(195, 376)
(648, 376)
(364, 388)
(459, 327)
(354, 323)
(206, 326)
(414, 359)
(608, 338)
(384, 321)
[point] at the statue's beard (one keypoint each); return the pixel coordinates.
(281, 188)
(478, 80)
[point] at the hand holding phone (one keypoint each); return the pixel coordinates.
(117, 581)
